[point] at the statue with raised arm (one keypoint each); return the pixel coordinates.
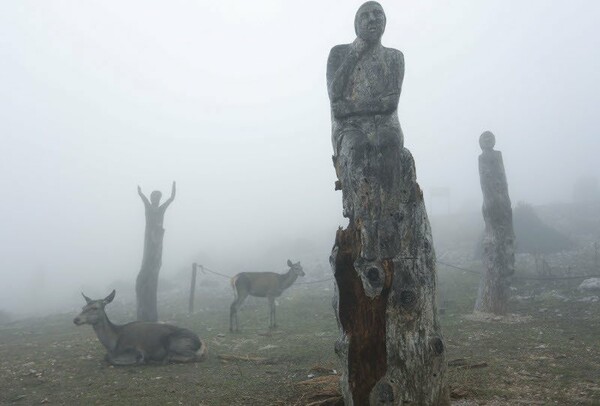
(147, 280)
(390, 343)
(498, 239)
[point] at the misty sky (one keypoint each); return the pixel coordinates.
(228, 98)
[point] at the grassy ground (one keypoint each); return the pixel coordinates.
(550, 356)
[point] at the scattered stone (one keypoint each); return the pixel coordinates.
(589, 299)
(488, 318)
(592, 284)
(267, 347)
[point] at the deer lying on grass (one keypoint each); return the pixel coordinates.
(140, 342)
(261, 284)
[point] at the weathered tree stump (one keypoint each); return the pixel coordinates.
(391, 346)
(498, 239)
(146, 285)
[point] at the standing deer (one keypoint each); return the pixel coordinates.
(261, 284)
(139, 342)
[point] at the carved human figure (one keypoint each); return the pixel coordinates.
(498, 241)
(364, 81)
(390, 344)
(147, 280)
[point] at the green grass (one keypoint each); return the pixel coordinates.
(554, 358)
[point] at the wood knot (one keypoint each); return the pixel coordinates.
(437, 345)
(382, 394)
(373, 277)
(385, 393)
(407, 298)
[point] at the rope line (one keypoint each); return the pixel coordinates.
(459, 268)
(205, 269)
(311, 282)
(532, 278)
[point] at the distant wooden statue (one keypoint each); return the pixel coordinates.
(147, 281)
(390, 345)
(498, 240)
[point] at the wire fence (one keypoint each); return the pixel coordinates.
(205, 269)
(531, 278)
(460, 268)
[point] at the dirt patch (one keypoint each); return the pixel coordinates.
(493, 318)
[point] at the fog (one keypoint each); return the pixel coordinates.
(229, 100)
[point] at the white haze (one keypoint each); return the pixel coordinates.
(228, 98)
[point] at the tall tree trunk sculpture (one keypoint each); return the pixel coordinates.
(498, 239)
(146, 285)
(390, 344)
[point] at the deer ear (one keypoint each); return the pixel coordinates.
(110, 297)
(87, 299)
(290, 263)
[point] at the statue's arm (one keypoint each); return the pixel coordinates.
(340, 65)
(170, 199)
(143, 197)
(343, 106)
(387, 102)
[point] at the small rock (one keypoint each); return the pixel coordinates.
(267, 347)
(589, 299)
(590, 284)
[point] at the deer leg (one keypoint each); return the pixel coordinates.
(232, 315)
(272, 323)
(129, 357)
(234, 324)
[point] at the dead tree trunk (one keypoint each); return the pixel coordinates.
(193, 288)
(498, 240)
(390, 343)
(146, 286)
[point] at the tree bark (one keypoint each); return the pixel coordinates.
(193, 288)
(498, 240)
(146, 286)
(391, 345)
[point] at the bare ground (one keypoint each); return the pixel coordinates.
(550, 356)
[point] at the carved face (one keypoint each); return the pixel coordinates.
(155, 197)
(487, 140)
(369, 22)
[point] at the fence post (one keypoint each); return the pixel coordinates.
(193, 287)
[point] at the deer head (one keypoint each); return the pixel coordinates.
(93, 312)
(296, 268)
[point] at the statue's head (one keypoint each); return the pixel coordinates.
(369, 22)
(487, 140)
(155, 197)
